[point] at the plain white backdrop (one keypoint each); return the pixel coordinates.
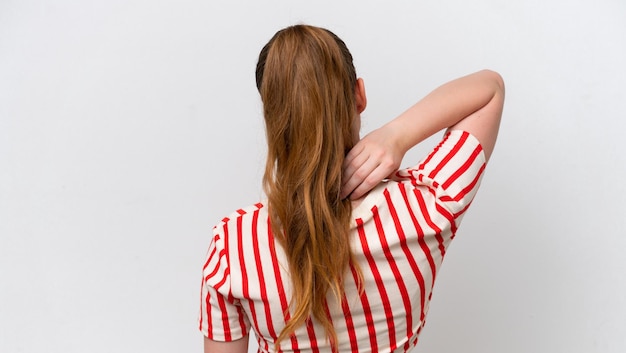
(128, 128)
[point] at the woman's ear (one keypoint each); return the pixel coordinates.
(361, 99)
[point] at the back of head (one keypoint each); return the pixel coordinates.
(307, 83)
(307, 80)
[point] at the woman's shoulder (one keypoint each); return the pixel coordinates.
(374, 199)
(243, 213)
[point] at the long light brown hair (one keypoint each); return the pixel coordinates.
(307, 83)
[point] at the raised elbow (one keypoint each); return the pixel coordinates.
(497, 79)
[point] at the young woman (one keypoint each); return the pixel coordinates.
(343, 254)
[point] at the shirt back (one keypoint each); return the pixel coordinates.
(399, 235)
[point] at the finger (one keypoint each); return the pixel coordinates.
(354, 159)
(354, 151)
(373, 179)
(358, 176)
(357, 162)
(385, 169)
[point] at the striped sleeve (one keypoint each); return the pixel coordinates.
(452, 171)
(221, 316)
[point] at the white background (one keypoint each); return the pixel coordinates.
(128, 128)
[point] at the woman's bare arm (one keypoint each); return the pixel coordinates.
(237, 346)
(472, 103)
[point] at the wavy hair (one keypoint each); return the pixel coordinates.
(307, 82)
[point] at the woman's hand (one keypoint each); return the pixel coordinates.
(374, 158)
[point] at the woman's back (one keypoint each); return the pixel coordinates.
(399, 234)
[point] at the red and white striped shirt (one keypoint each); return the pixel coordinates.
(400, 233)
